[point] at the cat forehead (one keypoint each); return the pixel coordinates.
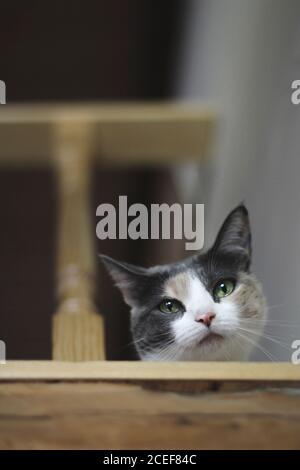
(184, 286)
(178, 286)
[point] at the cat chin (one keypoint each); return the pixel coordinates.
(220, 350)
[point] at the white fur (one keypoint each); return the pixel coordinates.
(189, 333)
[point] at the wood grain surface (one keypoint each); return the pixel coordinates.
(138, 370)
(127, 416)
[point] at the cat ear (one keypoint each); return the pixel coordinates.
(234, 236)
(127, 277)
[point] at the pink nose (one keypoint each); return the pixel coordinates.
(207, 318)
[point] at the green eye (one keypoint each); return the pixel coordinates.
(223, 288)
(170, 306)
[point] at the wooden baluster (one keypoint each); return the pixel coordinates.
(78, 331)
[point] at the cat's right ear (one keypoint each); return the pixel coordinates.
(234, 236)
(127, 277)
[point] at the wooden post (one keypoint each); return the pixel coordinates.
(78, 331)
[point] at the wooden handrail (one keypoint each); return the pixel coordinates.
(78, 331)
(69, 136)
(265, 372)
(128, 133)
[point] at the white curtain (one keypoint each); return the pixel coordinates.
(242, 56)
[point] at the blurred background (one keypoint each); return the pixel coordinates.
(240, 56)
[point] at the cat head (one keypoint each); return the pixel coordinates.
(207, 307)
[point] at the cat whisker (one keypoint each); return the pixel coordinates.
(259, 346)
(167, 353)
(268, 337)
(269, 323)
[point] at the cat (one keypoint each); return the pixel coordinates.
(208, 307)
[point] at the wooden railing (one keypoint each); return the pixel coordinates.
(128, 405)
(78, 330)
(68, 138)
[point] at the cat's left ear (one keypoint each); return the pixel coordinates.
(234, 237)
(127, 277)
